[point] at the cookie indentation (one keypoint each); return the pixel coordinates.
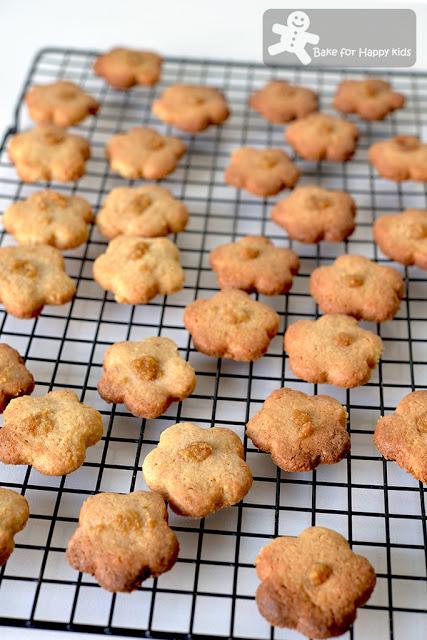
(141, 202)
(234, 316)
(139, 251)
(407, 143)
(53, 136)
(318, 573)
(353, 280)
(147, 367)
(319, 202)
(344, 339)
(128, 521)
(24, 268)
(196, 452)
(250, 253)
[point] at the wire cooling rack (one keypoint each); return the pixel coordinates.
(377, 506)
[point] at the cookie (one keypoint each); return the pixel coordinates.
(300, 431)
(254, 263)
(198, 471)
(370, 99)
(332, 350)
(14, 513)
(400, 158)
(311, 214)
(147, 376)
(136, 270)
(32, 276)
(401, 435)
(62, 103)
(403, 237)
(143, 153)
(231, 325)
(149, 211)
(51, 433)
(124, 68)
(321, 136)
(48, 217)
(48, 152)
(313, 583)
(191, 108)
(358, 287)
(263, 172)
(123, 539)
(15, 379)
(280, 102)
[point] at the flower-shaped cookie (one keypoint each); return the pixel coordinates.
(62, 103)
(313, 583)
(403, 237)
(300, 431)
(136, 269)
(400, 158)
(32, 276)
(15, 379)
(231, 325)
(48, 152)
(402, 435)
(371, 99)
(358, 287)
(124, 68)
(263, 172)
(147, 376)
(48, 217)
(191, 107)
(311, 214)
(280, 102)
(253, 263)
(148, 211)
(321, 136)
(51, 433)
(198, 471)
(123, 539)
(333, 350)
(14, 514)
(143, 153)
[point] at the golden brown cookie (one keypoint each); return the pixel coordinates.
(313, 583)
(63, 103)
(358, 287)
(124, 68)
(136, 269)
(400, 158)
(143, 153)
(149, 211)
(48, 152)
(254, 263)
(198, 471)
(123, 539)
(403, 237)
(15, 379)
(48, 217)
(280, 102)
(32, 276)
(231, 325)
(263, 172)
(370, 99)
(332, 350)
(147, 376)
(191, 108)
(311, 214)
(300, 431)
(14, 513)
(320, 136)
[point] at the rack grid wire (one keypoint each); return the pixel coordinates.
(377, 506)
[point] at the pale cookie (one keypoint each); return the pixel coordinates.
(122, 540)
(48, 152)
(403, 237)
(370, 99)
(136, 270)
(254, 263)
(231, 325)
(280, 102)
(143, 153)
(400, 158)
(124, 68)
(149, 211)
(48, 217)
(14, 513)
(300, 431)
(402, 435)
(311, 214)
(332, 350)
(191, 108)
(15, 379)
(50, 433)
(32, 276)
(62, 103)
(313, 583)
(358, 287)
(198, 471)
(263, 172)
(147, 376)
(321, 136)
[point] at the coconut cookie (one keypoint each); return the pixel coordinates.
(403, 237)
(122, 540)
(15, 379)
(62, 103)
(14, 513)
(280, 102)
(124, 68)
(321, 136)
(400, 158)
(371, 99)
(198, 471)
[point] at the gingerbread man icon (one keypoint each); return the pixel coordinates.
(294, 37)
